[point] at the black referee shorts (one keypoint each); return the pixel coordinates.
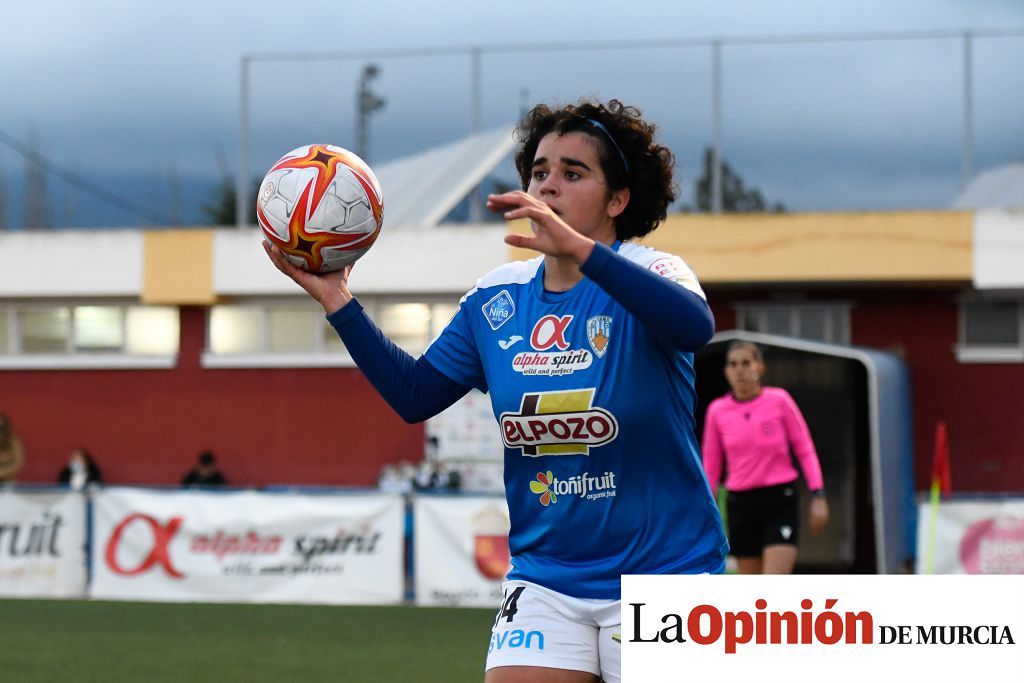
(761, 517)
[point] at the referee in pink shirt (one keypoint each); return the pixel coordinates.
(752, 431)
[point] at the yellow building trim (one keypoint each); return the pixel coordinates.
(178, 267)
(903, 246)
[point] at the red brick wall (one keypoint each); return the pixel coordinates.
(274, 426)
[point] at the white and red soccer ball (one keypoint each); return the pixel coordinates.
(322, 206)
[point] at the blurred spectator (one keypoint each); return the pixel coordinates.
(12, 453)
(80, 471)
(407, 474)
(390, 480)
(205, 473)
(454, 482)
(431, 448)
(435, 475)
(426, 477)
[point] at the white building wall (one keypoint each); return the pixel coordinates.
(66, 263)
(438, 260)
(999, 249)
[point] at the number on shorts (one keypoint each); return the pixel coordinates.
(509, 608)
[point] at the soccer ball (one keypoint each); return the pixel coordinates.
(322, 206)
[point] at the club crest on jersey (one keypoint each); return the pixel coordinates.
(552, 354)
(599, 330)
(558, 423)
(499, 310)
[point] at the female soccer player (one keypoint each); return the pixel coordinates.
(586, 351)
(753, 428)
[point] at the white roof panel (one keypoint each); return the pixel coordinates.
(422, 189)
(997, 188)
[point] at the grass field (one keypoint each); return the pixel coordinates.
(69, 640)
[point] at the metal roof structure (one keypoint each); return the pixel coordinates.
(419, 191)
(996, 188)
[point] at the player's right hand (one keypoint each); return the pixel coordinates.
(330, 290)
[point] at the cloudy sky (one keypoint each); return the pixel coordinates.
(142, 98)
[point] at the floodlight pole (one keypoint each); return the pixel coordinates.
(476, 212)
(716, 126)
(968, 122)
(241, 200)
(475, 94)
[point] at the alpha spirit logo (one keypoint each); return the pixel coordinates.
(158, 553)
(558, 423)
(552, 354)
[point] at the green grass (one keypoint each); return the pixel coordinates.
(55, 640)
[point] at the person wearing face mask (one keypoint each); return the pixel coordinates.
(80, 471)
(750, 432)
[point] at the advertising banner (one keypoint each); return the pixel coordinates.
(972, 537)
(247, 546)
(812, 628)
(42, 544)
(461, 550)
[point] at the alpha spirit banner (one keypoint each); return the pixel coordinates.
(42, 544)
(247, 546)
(461, 547)
(972, 537)
(812, 628)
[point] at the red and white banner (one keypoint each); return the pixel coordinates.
(972, 537)
(461, 547)
(42, 544)
(812, 628)
(247, 546)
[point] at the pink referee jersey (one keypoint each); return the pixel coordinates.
(754, 438)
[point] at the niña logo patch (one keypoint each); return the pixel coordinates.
(499, 310)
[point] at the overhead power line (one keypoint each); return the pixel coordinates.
(78, 181)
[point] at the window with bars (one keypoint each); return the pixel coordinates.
(991, 331)
(83, 335)
(817, 321)
(288, 333)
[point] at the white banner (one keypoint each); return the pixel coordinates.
(841, 629)
(247, 546)
(461, 548)
(42, 544)
(972, 537)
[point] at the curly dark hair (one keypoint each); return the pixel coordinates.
(649, 174)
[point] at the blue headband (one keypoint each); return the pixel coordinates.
(600, 126)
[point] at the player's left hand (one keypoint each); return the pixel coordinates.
(552, 235)
(819, 515)
(329, 289)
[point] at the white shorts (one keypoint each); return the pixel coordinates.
(536, 626)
